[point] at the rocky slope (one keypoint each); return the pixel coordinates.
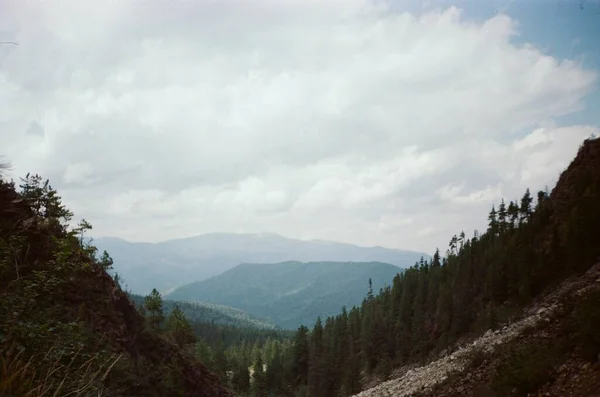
(469, 368)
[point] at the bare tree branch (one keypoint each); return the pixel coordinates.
(3, 168)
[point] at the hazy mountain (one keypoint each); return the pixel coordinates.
(173, 263)
(291, 293)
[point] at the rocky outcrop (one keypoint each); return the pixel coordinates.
(422, 380)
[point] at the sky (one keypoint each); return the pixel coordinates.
(374, 122)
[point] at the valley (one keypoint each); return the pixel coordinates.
(263, 198)
(510, 311)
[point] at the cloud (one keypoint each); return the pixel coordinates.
(343, 120)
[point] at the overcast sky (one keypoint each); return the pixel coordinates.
(395, 124)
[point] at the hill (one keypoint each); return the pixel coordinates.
(526, 355)
(202, 312)
(66, 326)
(513, 311)
(173, 263)
(291, 293)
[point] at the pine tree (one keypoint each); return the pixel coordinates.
(493, 221)
(525, 208)
(274, 372)
(259, 384)
(44, 200)
(179, 328)
(154, 309)
(351, 374)
(315, 373)
(513, 214)
(241, 378)
(502, 217)
(204, 353)
(300, 357)
(219, 359)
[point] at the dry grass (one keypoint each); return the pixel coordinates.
(20, 377)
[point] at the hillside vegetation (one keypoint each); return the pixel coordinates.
(174, 263)
(291, 293)
(483, 282)
(203, 312)
(513, 310)
(66, 326)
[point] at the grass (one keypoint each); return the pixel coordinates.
(19, 376)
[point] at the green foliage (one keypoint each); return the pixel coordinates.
(202, 312)
(63, 319)
(43, 200)
(587, 327)
(154, 309)
(384, 368)
(290, 293)
(21, 377)
(483, 282)
(476, 358)
(259, 382)
(526, 367)
(179, 329)
(241, 378)
(107, 262)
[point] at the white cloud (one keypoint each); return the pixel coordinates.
(318, 119)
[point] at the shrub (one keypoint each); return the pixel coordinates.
(587, 327)
(526, 367)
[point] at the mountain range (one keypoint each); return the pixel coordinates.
(291, 293)
(169, 264)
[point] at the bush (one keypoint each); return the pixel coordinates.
(587, 327)
(526, 367)
(476, 358)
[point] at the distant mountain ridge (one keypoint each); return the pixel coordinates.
(174, 263)
(291, 293)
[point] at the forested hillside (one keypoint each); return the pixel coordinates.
(66, 326)
(291, 293)
(202, 312)
(531, 244)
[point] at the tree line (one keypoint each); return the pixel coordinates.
(530, 245)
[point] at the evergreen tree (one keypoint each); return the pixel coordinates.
(525, 208)
(315, 375)
(154, 309)
(502, 216)
(220, 364)
(241, 378)
(204, 353)
(274, 373)
(351, 375)
(259, 384)
(301, 357)
(493, 221)
(44, 200)
(179, 328)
